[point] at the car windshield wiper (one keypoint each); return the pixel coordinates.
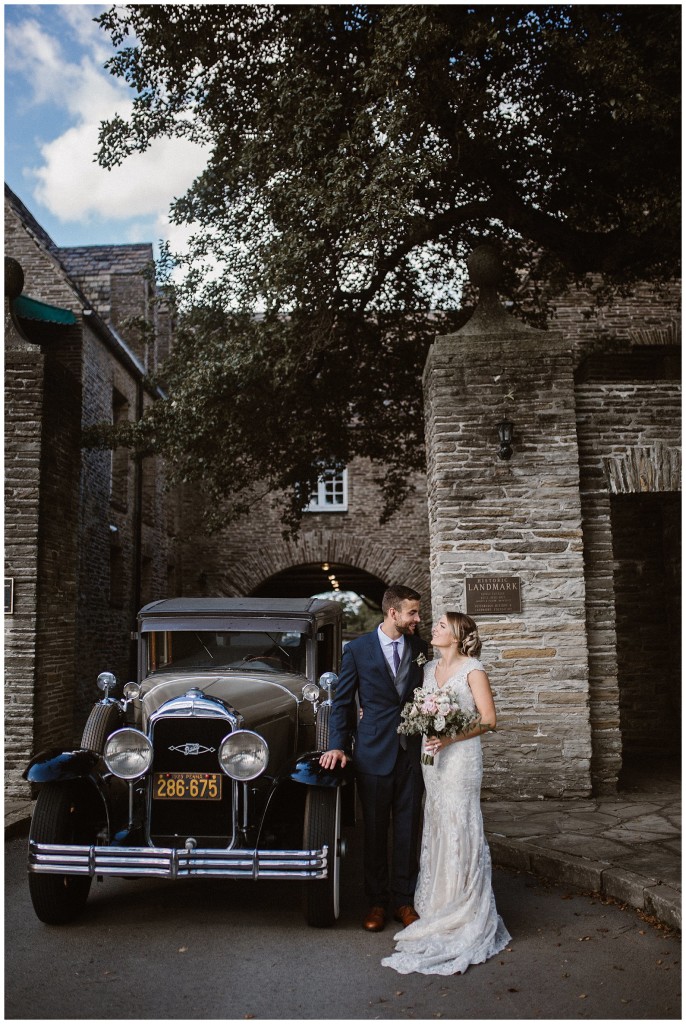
(203, 644)
(277, 644)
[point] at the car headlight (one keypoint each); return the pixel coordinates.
(311, 692)
(243, 755)
(128, 753)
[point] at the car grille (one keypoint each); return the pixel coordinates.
(190, 745)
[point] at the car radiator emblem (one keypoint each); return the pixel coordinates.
(193, 748)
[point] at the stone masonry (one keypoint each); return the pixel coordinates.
(521, 518)
(89, 534)
(585, 514)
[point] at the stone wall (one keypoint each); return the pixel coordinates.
(596, 409)
(241, 557)
(82, 553)
(522, 518)
(58, 547)
(23, 419)
(629, 443)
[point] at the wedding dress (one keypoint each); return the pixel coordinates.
(458, 922)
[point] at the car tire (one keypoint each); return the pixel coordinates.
(65, 812)
(323, 827)
(103, 720)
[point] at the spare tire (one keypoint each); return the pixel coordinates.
(103, 720)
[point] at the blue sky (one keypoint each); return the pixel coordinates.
(56, 94)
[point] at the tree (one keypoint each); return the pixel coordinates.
(356, 153)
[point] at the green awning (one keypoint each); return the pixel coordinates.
(31, 309)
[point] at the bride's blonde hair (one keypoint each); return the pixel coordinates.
(464, 629)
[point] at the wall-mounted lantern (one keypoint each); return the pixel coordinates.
(505, 431)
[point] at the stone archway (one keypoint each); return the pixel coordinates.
(310, 547)
(322, 577)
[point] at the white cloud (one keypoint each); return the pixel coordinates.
(74, 188)
(68, 182)
(79, 19)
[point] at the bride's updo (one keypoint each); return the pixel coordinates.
(465, 631)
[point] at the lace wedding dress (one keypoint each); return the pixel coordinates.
(459, 924)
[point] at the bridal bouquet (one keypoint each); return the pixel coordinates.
(435, 713)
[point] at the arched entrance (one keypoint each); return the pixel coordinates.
(359, 591)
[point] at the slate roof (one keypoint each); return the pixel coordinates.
(88, 267)
(89, 260)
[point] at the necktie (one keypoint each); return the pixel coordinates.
(396, 666)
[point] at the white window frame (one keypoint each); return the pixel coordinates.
(322, 498)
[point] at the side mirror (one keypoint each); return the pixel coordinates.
(106, 682)
(328, 681)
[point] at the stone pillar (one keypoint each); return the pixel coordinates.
(519, 517)
(24, 381)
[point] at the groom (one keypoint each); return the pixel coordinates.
(383, 668)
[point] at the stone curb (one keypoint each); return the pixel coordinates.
(645, 894)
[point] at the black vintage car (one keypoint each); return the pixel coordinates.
(207, 766)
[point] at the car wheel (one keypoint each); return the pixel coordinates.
(323, 827)
(103, 720)
(64, 813)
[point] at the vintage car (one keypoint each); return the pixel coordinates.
(207, 765)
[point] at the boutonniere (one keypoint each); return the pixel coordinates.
(420, 660)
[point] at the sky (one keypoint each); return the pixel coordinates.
(56, 94)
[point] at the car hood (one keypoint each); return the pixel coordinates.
(256, 697)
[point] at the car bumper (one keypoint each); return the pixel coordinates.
(167, 862)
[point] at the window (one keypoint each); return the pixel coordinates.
(331, 493)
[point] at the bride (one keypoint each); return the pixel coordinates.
(458, 924)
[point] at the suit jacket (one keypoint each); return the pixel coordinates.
(366, 672)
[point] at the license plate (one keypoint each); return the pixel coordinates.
(187, 786)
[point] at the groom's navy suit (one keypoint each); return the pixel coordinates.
(387, 770)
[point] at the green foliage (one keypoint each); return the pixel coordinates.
(355, 155)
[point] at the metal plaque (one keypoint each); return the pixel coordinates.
(9, 595)
(493, 595)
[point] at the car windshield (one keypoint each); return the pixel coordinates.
(235, 650)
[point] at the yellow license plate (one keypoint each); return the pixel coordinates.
(187, 786)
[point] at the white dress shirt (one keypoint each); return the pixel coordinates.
(387, 648)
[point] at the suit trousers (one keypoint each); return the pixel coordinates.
(398, 798)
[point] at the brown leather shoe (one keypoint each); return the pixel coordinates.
(406, 915)
(375, 920)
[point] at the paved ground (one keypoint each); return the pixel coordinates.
(217, 950)
(627, 847)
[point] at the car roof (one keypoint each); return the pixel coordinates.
(214, 606)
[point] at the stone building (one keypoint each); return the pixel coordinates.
(88, 534)
(584, 516)
(579, 514)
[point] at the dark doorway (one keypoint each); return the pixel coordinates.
(646, 545)
(360, 592)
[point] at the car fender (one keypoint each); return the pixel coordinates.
(308, 772)
(58, 765)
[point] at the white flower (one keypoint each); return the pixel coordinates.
(420, 660)
(439, 723)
